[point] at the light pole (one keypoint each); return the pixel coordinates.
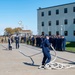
(41, 30)
(61, 29)
(48, 29)
(21, 25)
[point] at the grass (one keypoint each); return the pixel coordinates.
(70, 46)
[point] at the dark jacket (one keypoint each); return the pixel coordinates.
(45, 45)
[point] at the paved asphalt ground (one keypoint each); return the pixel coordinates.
(12, 62)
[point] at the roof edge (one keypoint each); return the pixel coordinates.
(55, 6)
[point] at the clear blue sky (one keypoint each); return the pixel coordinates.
(12, 11)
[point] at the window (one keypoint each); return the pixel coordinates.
(42, 14)
(49, 33)
(57, 32)
(65, 10)
(66, 33)
(49, 23)
(43, 33)
(42, 23)
(74, 33)
(74, 21)
(73, 9)
(49, 13)
(57, 22)
(65, 21)
(57, 11)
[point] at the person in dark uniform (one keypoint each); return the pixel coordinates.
(24, 38)
(17, 41)
(9, 43)
(37, 41)
(63, 43)
(33, 40)
(46, 52)
(41, 40)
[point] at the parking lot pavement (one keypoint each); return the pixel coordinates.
(12, 62)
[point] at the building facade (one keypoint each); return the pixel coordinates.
(57, 20)
(26, 33)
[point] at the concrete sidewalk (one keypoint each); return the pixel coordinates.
(14, 63)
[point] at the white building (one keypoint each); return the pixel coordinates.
(57, 20)
(26, 33)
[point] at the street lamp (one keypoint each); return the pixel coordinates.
(21, 25)
(61, 29)
(20, 22)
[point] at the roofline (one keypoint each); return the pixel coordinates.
(55, 6)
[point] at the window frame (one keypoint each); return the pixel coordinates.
(57, 22)
(57, 11)
(49, 33)
(73, 9)
(42, 24)
(42, 14)
(66, 21)
(57, 32)
(74, 21)
(66, 33)
(49, 23)
(49, 13)
(65, 10)
(74, 32)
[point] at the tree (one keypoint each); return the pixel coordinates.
(8, 31)
(16, 30)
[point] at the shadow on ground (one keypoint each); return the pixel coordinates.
(30, 64)
(73, 63)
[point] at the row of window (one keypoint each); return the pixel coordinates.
(57, 33)
(57, 22)
(57, 11)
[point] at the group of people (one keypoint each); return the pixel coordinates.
(45, 42)
(10, 41)
(58, 42)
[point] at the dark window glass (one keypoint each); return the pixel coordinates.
(43, 33)
(73, 9)
(49, 23)
(65, 10)
(42, 13)
(42, 23)
(49, 12)
(49, 33)
(74, 21)
(57, 11)
(57, 22)
(74, 33)
(66, 33)
(57, 32)
(65, 21)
